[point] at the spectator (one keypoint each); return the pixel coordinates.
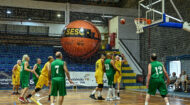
(181, 81)
(178, 82)
(173, 78)
(187, 83)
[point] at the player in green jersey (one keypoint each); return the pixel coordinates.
(155, 79)
(37, 70)
(110, 72)
(24, 76)
(57, 73)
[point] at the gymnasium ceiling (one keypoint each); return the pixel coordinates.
(10, 13)
(110, 3)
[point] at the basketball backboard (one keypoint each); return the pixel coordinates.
(152, 12)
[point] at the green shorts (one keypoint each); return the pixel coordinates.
(24, 82)
(35, 80)
(157, 84)
(110, 78)
(58, 85)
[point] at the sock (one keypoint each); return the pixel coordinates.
(146, 103)
(109, 92)
(168, 103)
(93, 92)
(30, 95)
(49, 97)
(99, 93)
(113, 92)
(118, 94)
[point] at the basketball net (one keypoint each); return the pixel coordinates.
(140, 24)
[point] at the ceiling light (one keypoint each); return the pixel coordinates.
(29, 19)
(8, 12)
(106, 16)
(96, 21)
(58, 15)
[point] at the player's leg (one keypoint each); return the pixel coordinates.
(61, 98)
(17, 88)
(25, 85)
(18, 84)
(100, 86)
(35, 82)
(21, 98)
(110, 84)
(13, 82)
(38, 87)
(117, 79)
(113, 91)
(151, 90)
(52, 100)
(62, 91)
(33, 92)
(54, 90)
(92, 95)
(49, 92)
(113, 86)
(147, 99)
(14, 87)
(163, 91)
(118, 87)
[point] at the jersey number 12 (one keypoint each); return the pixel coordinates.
(158, 70)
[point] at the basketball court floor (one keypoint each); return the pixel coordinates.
(81, 97)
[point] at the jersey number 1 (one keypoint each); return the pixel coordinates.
(57, 69)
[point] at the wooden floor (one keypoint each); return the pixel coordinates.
(81, 97)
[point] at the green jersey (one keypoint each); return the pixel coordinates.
(23, 72)
(157, 70)
(57, 70)
(109, 68)
(38, 70)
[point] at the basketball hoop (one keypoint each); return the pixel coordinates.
(140, 23)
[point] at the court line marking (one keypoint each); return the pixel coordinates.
(38, 103)
(42, 98)
(159, 96)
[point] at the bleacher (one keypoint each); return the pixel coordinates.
(9, 54)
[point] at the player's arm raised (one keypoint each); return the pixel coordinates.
(34, 71)
(148, 76)
(113, 64)
(123, 57)
(13, 70)
(67, 72)
(166, 74)
(25, 67)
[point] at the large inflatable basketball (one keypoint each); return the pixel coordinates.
(80, 39)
